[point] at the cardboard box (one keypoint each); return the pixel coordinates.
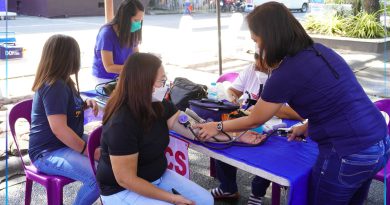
(11, 51)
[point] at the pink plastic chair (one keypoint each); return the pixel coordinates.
(384, 105)
(93, 143)
(53, 184)
(227, 77)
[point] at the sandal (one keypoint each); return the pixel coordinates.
(217, 193)
(254, 200)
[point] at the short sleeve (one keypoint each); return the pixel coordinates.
(55, 98)
(121, 140)
(240, 81)
(280, 87)
(169, 109)
(105, 39)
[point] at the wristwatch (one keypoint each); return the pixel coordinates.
(220, 126)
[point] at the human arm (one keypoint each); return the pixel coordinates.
(108, 62)
(233, 95)
(261, 113)
(58, 125)
(298, 131)
(125, 172)
(249, 137)
(90, 103)
(286, 112)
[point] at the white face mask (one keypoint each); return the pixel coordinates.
(159, 94)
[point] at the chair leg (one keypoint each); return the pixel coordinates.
(387, 191)
(212, 168)
(275, 194)
(27, 194)
(54, 195)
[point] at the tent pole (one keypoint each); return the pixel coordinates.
(218, 6)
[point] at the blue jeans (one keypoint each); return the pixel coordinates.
(69, 163)
(346, 180)
(226, 174)
(168, 180)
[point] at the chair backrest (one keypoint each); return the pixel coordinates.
(227, 77)
(384, 105)
(20, 110)
(93, 143)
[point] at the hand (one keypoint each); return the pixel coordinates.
(207, 130)
(90, 103)
(180, 200)
(252, 137)
(97, 153)
(298, 131)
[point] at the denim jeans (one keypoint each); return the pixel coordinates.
(226, 174)
(69, 163)
(168, 180)
(346, 180)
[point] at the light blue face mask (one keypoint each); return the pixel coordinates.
(135, 26)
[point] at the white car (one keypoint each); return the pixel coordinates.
(249, 8)
(301, 5)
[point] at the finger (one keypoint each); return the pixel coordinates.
(291, 137)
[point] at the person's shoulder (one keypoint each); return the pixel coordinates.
(58, 85)
(106, 29)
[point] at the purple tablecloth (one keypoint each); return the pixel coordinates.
(290, 160)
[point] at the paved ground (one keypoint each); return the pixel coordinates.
(188, 46)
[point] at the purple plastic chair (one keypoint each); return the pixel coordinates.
(384, 105)
(53, 184)
(93, 143)
(227, 77)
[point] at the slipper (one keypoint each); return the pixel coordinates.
(217, 193)
(254, 200)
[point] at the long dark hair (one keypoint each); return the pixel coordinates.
(134, 90)
(122, 19)
(280, 32)
(59, 60)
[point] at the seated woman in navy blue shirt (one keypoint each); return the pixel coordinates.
(133, 166)
(56, 145)
(320, 86)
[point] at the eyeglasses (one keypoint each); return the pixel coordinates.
(163, 82)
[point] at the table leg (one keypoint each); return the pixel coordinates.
(275, 194)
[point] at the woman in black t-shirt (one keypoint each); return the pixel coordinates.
(133, 167)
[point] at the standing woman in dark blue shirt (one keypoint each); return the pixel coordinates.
(320, 86)
(56, 146)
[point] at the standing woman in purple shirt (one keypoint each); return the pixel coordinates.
(117, 40)
(319, 85)
(57, 145)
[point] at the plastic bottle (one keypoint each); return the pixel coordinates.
(212, 92)
(221, 92)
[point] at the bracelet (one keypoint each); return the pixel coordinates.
(85, 145)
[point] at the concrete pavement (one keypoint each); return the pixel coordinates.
(188, 47)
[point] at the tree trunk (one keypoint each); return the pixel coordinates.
(371, 6)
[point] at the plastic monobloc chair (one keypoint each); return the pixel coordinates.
(93, 143)
(384, 105)
(227, 77)
(53, 184)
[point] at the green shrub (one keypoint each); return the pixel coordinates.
(362, 25)
(328, 25)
